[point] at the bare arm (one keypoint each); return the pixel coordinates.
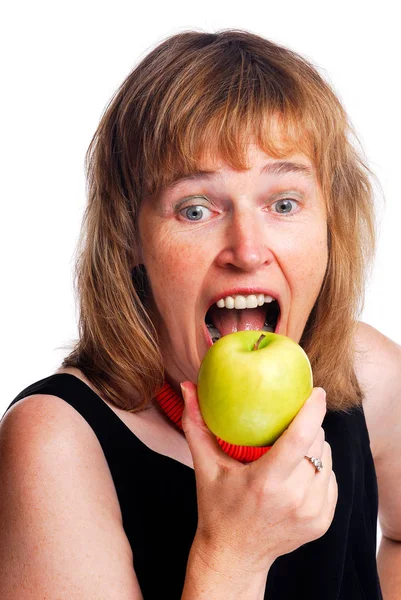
(379, 370)
(389, 568)
(61, 528)
(210, 577)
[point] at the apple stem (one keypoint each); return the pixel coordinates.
(256, 345)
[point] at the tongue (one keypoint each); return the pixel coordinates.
(228, 320)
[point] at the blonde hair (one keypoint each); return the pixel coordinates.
(214, 92)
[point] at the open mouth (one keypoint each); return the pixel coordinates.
(222, 321)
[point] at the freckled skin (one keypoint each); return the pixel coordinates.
(242, 239)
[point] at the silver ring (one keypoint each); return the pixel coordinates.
(316, 462)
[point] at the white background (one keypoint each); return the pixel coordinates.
(61, 64)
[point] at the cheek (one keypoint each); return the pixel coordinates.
(308, 262)
(171, 264)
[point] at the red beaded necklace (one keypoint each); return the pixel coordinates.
(173, 405)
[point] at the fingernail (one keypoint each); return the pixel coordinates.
(322, 393)
(182, 389)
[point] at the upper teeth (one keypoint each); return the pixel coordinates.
(251, 301)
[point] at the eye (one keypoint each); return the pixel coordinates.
(194, 212)
(284, 206)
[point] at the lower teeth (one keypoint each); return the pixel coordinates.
(215, 334)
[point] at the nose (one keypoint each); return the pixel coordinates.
(246, 245)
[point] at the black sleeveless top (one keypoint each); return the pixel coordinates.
(157, 496)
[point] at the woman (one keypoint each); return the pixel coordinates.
(223, 167)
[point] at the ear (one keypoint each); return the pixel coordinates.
(140, 279)
(138, 271)
(137, 256)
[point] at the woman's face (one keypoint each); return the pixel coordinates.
(223, 232)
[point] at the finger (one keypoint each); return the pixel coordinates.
(317, 448)
(332, 496)
(326, 460)
(315, 486)
(305, 472)
(320, 487)
(328, 496)
(291, 447)
(202, 443)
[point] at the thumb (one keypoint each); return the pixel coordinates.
(202, 443)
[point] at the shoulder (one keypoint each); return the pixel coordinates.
(367, 338)
(378, 369)
(58, 493)
(45, 430)
(377, 363)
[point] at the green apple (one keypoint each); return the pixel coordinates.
(251, 387)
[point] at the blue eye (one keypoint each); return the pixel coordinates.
(284, 206)
(194, 212)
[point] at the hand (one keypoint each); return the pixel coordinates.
(248, 515)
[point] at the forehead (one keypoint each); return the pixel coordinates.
(257, 162)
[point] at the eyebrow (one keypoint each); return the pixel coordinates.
(280, 167)
(193, 176)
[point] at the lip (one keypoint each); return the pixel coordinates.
(207, 336)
